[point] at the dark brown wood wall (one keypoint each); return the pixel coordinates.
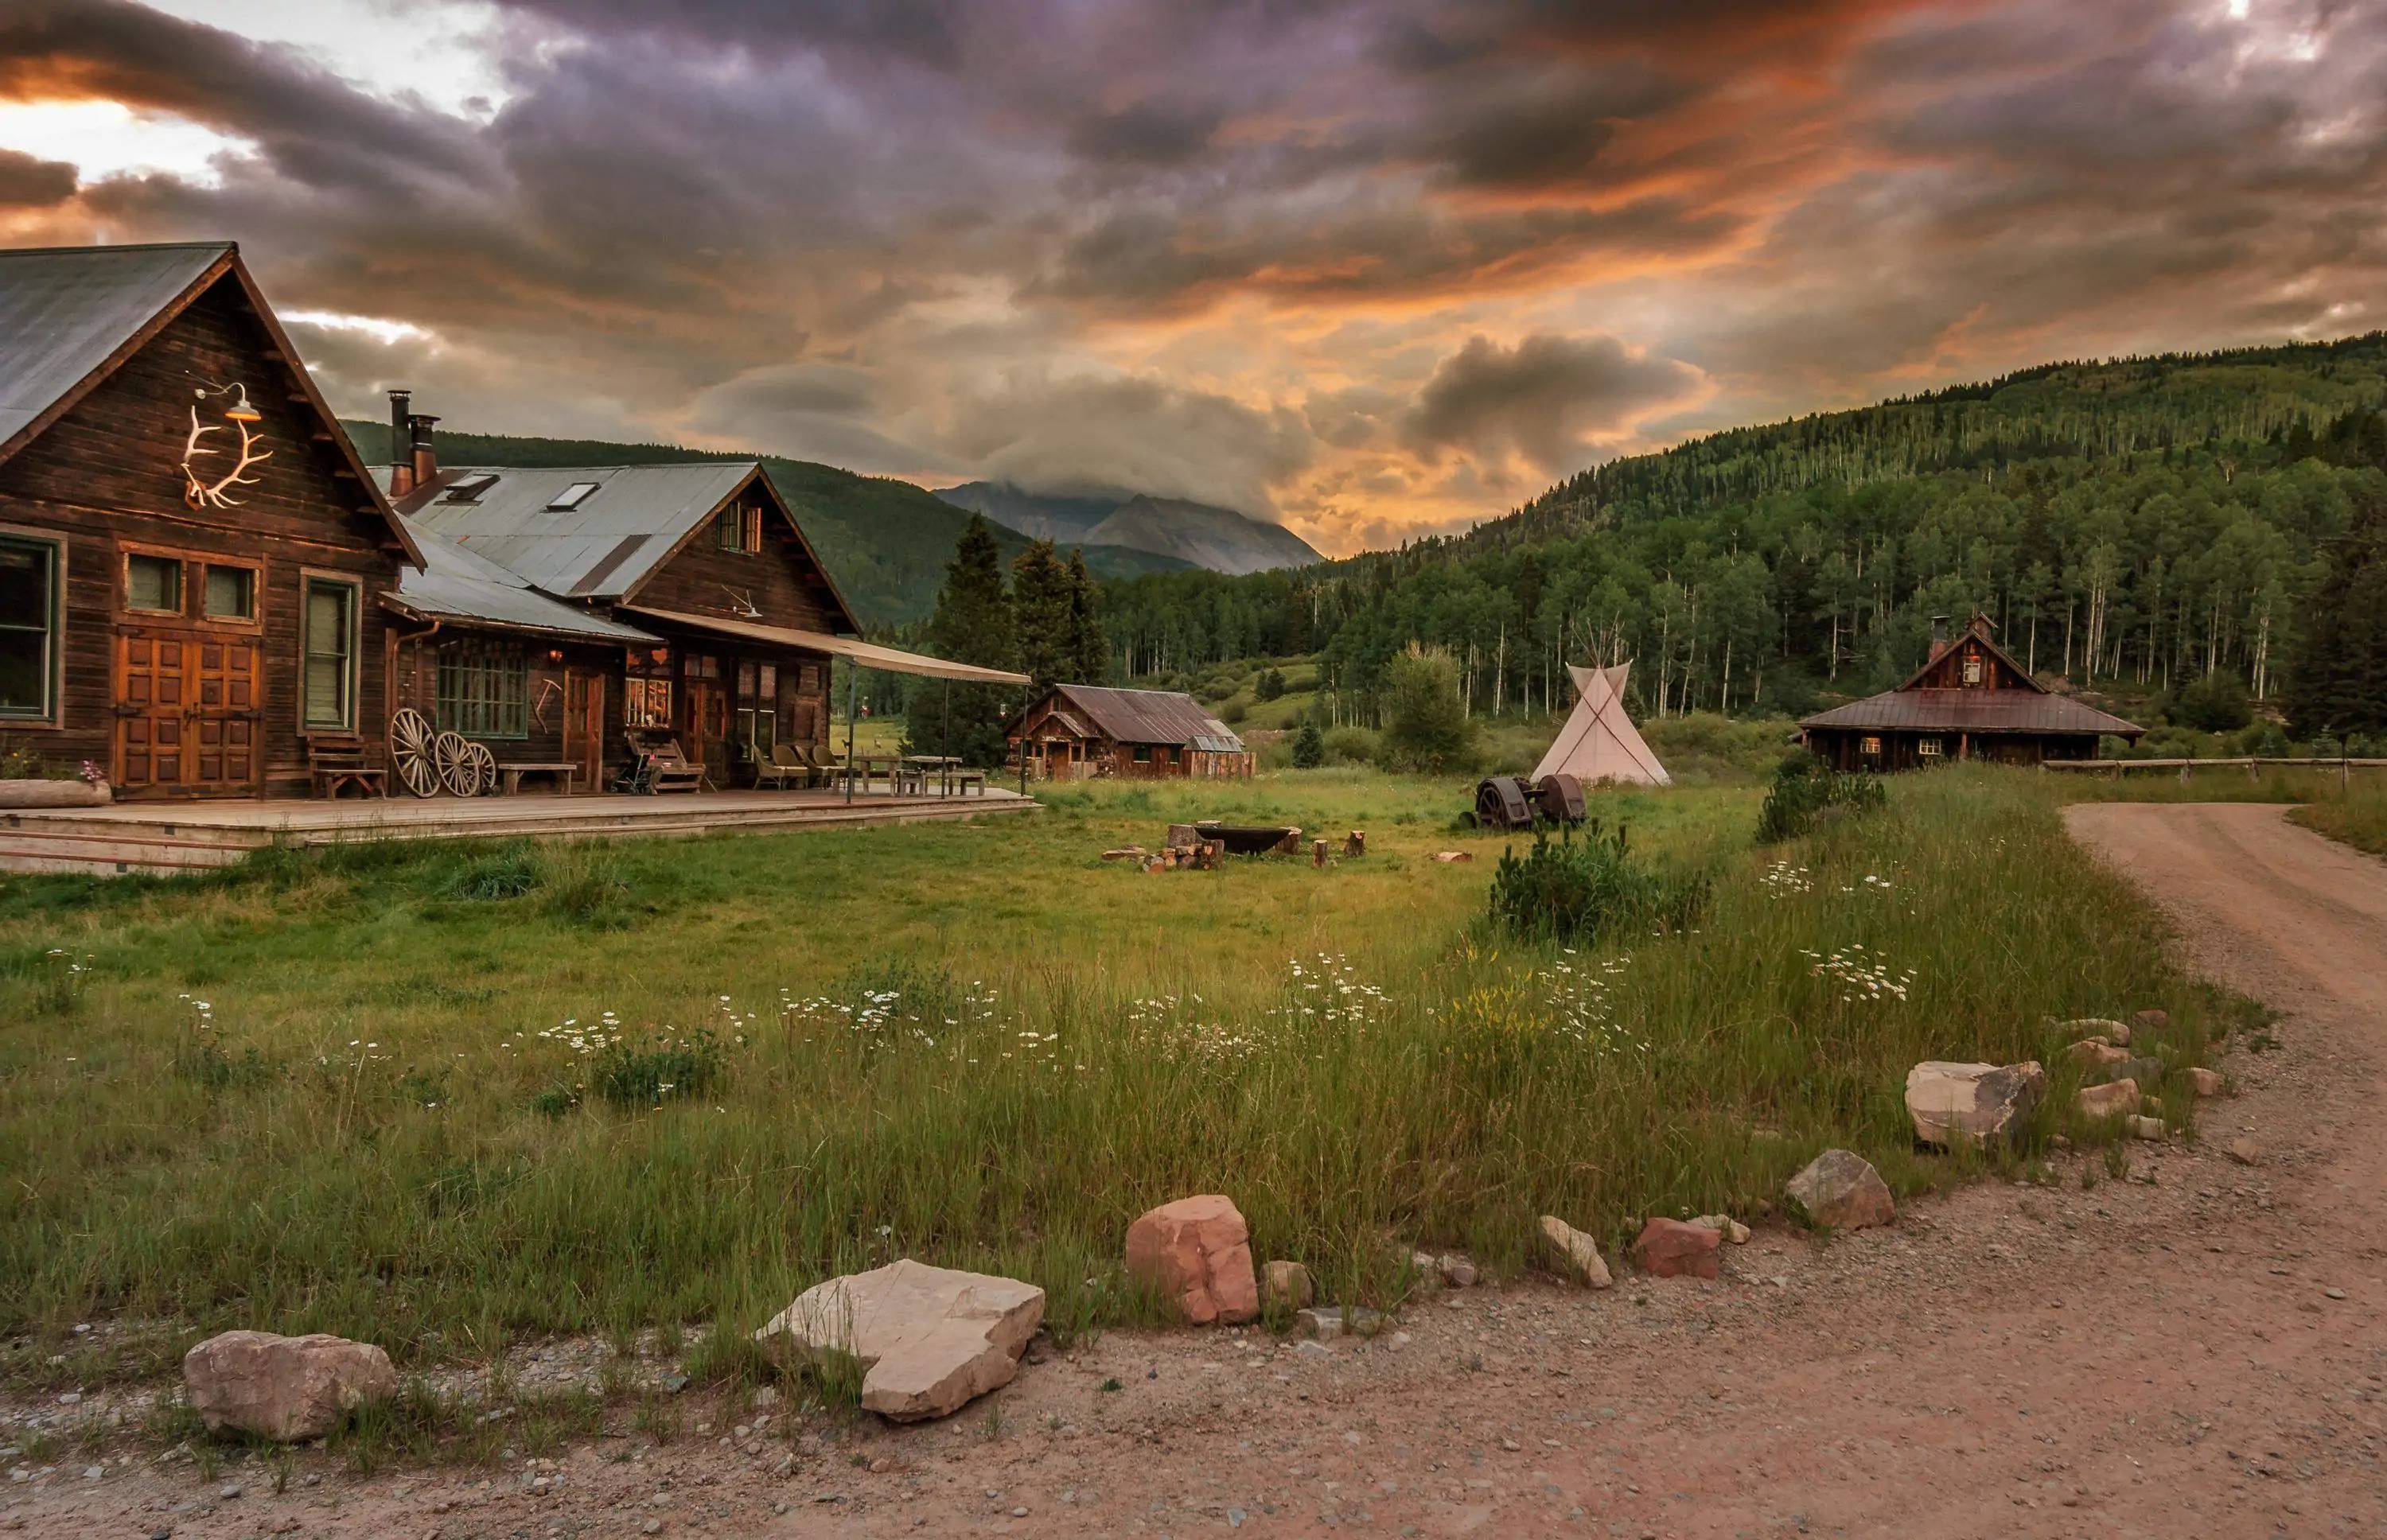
(1947, 671)
(416, 683)
(108, 474)
(700, 579)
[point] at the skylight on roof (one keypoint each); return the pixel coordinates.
(573, 496)
(469, 488)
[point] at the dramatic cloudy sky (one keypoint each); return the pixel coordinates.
(1370, 267)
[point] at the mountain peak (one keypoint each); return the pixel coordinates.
(1218, 539)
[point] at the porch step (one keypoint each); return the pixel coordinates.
(155, 841)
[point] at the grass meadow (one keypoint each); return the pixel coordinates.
(361, 1091)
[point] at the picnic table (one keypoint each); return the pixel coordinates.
(865, 766)
(943, 764)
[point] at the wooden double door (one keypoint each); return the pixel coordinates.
(189, 715)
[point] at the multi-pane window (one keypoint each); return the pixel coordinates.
(738, 528)
(1972, 670)
(153, 583)
(330, 684)
(28, 628)
(231, 593)
(758, 705)
(484, 692)
(645, 702)
(1927, 748)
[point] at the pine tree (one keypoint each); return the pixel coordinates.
(2339, 685)
(1090, 648)
(1040, 611)
(973, 624)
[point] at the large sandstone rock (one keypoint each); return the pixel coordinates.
(2205, 1082)
(2120, 1097)
(927, 1339)
(1196, 1251)
(1577, 1255)
(1971, 1104)
(286, 1388)
(1839, 1189)
(1670, 1249)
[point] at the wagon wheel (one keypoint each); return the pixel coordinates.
(451, 755)
(410, 752)
(483, 766)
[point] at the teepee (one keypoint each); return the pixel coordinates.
(1599, 742)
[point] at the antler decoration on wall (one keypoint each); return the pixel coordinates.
(197, 490)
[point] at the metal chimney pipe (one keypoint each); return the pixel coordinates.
(402, 461)
(423, 449)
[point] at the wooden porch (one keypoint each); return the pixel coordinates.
(160, 838)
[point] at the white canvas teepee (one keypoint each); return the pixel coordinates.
(1599, 742)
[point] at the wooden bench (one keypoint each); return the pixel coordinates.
(565, 772)
(334, 767)
(964, 779)
(669, 770)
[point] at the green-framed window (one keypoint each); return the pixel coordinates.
(29, 614)
(329, 690)
(484, 692)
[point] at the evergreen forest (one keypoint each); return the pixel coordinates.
(2134, 527)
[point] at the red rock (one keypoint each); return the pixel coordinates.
(1670, 1249)
(2107, 1101)
(1196, 1251)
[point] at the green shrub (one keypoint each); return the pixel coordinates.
(1269, 684)
(1426, 728)
(1350, 746)
(1585, 891)
(1309, 747)
(1806, 790)
(2215, 704)
(676, 1064)
(1233, 710)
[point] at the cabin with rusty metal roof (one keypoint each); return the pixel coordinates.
(1969, 701)
(1080, 732)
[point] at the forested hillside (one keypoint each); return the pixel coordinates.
(2134, 523)
(885, 541)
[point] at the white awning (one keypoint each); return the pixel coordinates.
(866, 654)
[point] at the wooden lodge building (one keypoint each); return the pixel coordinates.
(1970, 700)
(204, 593)
(1080, 732)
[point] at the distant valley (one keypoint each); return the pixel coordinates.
(1194, 533)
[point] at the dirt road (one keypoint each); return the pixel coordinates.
(2197, 1351)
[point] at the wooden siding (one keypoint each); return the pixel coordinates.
(702, 579)
(1095, 756)
(107, 476)
(1947, 671)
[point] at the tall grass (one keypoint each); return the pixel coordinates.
(2359, 817)
(986, 1048)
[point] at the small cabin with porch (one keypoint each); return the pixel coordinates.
(1969, 701)
(1080, 732)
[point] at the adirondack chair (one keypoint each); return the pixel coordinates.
(658, 765)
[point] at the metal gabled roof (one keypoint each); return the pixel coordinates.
(1973, 711)
(603, 546)
(71, 315)
(1151, 716)
(454, 584)
(66, 311)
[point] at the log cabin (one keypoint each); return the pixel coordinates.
(1080, 732)
(1969, 701)
(205, 593)
(190, 551)
(704, 615)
